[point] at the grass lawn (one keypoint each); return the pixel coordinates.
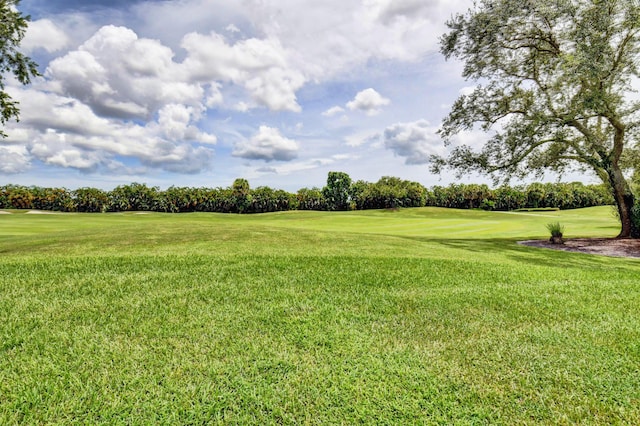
(421, 316)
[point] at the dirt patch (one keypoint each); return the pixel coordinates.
(623, 247)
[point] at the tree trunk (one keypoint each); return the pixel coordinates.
(624, 201)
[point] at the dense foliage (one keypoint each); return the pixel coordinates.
(13, 27)
(556, 83)
(336, 192)
(386, 193)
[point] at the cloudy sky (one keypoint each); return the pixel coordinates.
(200, 92)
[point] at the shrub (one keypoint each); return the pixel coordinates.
(557, 230)
(134, 197)
(310, 199)
(90, 200)
(488, 205)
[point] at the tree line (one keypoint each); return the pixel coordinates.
(339, 194)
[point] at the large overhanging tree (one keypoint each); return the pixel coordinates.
(555, 84)
(13, 26)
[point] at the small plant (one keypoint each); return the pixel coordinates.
(557, 231)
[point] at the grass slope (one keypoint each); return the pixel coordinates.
(417, 316)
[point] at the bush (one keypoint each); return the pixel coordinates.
(134, 197)
(311, 199)
(556, 229)
(17, 197)
(488, 205)
(509, 198)
(90, 200)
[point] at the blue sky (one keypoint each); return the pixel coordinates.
(200, 92)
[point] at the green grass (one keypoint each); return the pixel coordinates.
(422, 316)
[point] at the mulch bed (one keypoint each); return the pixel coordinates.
(616, 247)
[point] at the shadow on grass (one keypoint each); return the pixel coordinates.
(533, 255)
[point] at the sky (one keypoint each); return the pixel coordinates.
(201, 92)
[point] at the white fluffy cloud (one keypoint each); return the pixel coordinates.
(368, 101)
(333, 111)
(175, 121)
(44, 34)
(268, 144)
(116, 99)
(123, 76)
(64, 132)
(416, 141)
(15, 159)
(332, 36)
(260, 66)
(362, 138)
(389, 10)
(119, 75)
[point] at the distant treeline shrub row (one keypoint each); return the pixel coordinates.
(339, 194)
